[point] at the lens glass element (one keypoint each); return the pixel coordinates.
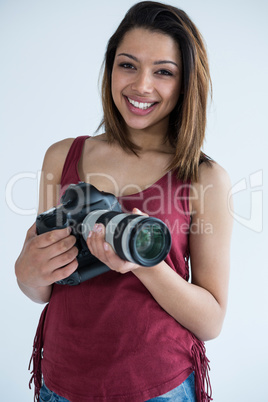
(150, 241)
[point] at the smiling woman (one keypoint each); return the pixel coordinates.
(136, 334)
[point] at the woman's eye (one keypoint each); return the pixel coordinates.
(164, 72)
(126, 65)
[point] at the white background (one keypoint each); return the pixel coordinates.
(51, 54)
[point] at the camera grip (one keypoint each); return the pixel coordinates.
(84, 273)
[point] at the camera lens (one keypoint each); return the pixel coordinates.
(140, 239)
(146, 241)
(149, 241)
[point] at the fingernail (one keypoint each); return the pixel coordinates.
(89, 234)
(106, 246)
(97, 228)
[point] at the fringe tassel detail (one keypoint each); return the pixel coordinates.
(201, 367)
(37, 357)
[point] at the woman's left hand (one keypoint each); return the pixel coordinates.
(104, 252)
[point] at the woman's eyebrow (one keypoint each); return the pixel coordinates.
(166, 62)
(156, 62)
(128, 55)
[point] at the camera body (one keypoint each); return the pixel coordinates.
(140, 239)
(75, 204)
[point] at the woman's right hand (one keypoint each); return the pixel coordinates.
(45, 259)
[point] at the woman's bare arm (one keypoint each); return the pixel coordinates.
(51, 256)
(200, 305)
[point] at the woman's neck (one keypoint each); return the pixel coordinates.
(150, 140)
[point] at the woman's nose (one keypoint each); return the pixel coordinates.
(143, 83)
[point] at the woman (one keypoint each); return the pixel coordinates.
(138, 336)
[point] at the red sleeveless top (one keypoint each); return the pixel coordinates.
(107, 339)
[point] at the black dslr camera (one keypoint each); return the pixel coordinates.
(140, 239)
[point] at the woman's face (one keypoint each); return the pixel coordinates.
(146, 79)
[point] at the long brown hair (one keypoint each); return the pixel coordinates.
(187, 121)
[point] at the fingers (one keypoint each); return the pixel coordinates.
(97, 245)
(116, 263)
(105, 253)
(54, 249)
(95, 241)
(63, 259)
(60, 255)
(31, 232)
(138, 212)
(60, 247)
(64, 272)
(47, 239)
(46, 257)
(54, 262)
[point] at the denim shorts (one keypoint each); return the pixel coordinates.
(185, 392)
(49, 396)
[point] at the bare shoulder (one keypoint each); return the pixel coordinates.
(213, 186)
(213, 173)
(96, 143)
(51, 173)
(59, 149)
(98, 148)
(56, 154)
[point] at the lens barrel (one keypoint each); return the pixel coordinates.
(140, 239)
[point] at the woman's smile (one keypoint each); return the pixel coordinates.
(140, 108)
(140, 105)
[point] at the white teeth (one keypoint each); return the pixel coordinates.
(140, 105)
